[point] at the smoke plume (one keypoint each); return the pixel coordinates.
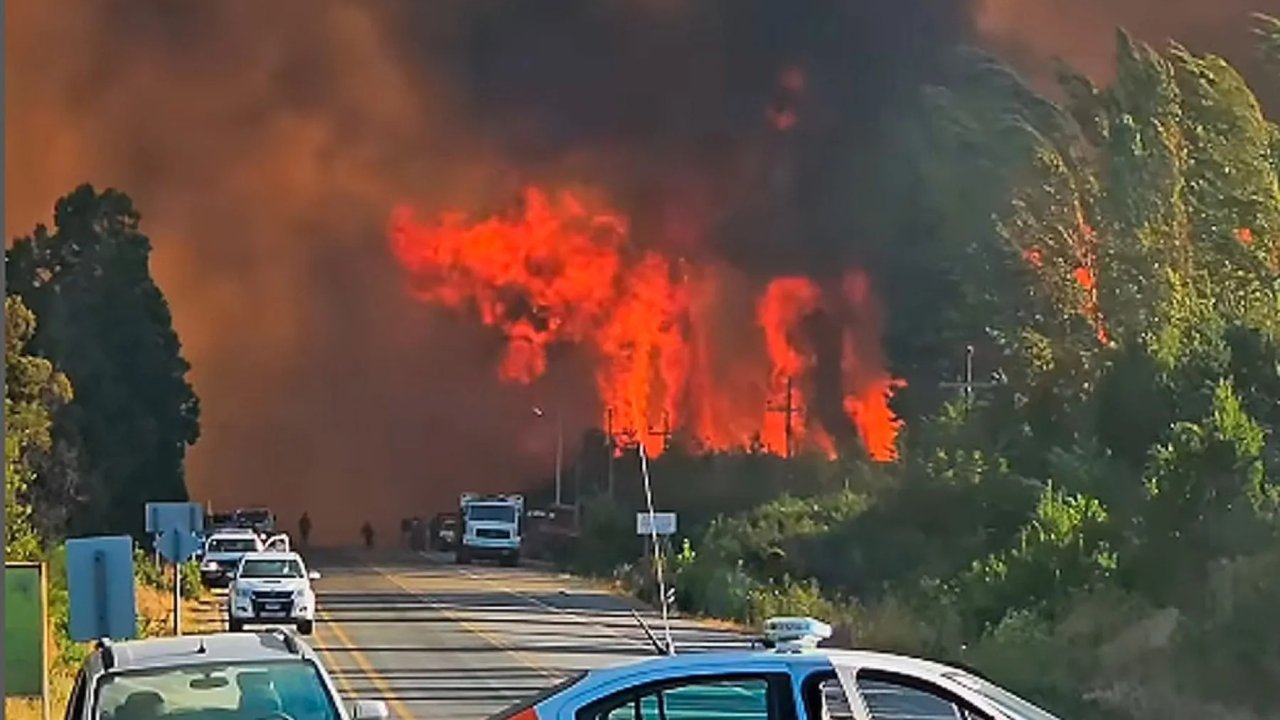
(267, 145)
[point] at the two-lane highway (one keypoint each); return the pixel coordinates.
(437, 640)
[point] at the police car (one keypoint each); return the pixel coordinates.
(794, 680)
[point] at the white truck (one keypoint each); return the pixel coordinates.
(491, 526)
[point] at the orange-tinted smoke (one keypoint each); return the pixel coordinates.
(562, 269)
(1082, 32)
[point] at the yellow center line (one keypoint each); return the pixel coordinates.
(366, 667)
(492, 639)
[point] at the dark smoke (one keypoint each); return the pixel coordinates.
(265, 143)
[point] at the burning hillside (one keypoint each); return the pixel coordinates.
(560, 268)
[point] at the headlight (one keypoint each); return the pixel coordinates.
(208, 565)
(300, 594)
(243, 593)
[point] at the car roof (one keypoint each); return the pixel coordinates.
(736, 660)
(202, 649)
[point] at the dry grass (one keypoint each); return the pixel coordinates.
(155, 611)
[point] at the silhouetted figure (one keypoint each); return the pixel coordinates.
(417, 535)
(404, 531)
(304, 529)
(367, 531)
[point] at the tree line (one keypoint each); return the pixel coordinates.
(98, 408)
(1100, 529)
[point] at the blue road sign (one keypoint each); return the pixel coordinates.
(100, 588)
(162, 516)
(177, 546)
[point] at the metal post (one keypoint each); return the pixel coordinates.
(177, 583)
(100, 589)
(608, 443)
(559, 452)
(968, 372)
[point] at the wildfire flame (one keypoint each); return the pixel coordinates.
(562, 268)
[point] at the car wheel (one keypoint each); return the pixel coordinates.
(306, 627)
(235, 625)
(510, 560)
(462, 558)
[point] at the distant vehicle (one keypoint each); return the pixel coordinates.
(217, 521)
(222, 552)
(795, 679)
(444, 531)
(260, 519)
(225, 675)
(224, 548)
(272, 588)
(490, 528)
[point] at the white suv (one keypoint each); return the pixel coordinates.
(272, 588)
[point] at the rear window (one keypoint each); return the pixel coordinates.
(232, 545)
(264, 689)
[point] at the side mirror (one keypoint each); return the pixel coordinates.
(313, 575)
(369, 710)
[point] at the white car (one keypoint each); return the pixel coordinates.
(222, 553)
(796, 680)
(272, 588)
(225, 675)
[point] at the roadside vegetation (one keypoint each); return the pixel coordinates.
(1097, 529)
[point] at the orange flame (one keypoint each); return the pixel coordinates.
(563, 269)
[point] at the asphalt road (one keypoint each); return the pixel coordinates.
(438, 640)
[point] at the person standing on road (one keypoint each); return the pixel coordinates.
(367, 531)
(304, 529)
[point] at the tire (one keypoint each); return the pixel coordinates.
(306, 627)
(462, 557)
(235, 625)
(510, 560)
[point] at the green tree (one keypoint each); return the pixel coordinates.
(107, 325)
(34, 389)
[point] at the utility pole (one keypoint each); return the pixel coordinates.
(559, 453)
(538, 412)
(967, 385)
(664, 433)
(788, 412)
(609, 445)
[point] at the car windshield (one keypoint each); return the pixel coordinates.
(1005, 700)
(282, 568)
(256, 516)
(232, 545)
(491, 513)
(235, 691)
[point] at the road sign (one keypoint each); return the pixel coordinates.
(100, 588)
(25, 621)
(664, 523)
(177, 546)
(162, 516)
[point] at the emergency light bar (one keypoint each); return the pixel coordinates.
(793, 634)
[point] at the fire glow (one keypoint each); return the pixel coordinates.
(562, 269)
